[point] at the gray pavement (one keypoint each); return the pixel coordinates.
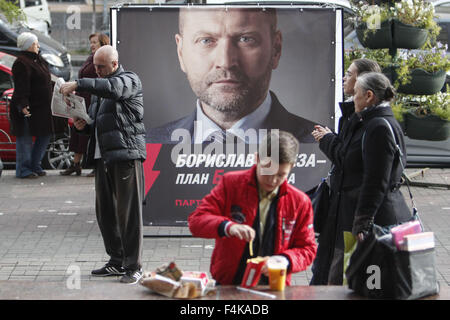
(48, 229)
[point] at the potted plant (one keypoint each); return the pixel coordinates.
(421, 72)
(424, 117)
(373, 25)
(413, 21)
(405, 24)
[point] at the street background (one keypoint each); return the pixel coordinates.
(48, 225)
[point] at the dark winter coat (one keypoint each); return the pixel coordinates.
(364, 185)
(78, 142)
(117, 109)
(368, 188)
(33, 88)
(87, 70)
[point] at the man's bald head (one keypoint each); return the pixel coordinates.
(108, 52)
(106, 61)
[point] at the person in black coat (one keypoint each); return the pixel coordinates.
(117, 147)
(367, 179)
(30, 114)
(327, 238)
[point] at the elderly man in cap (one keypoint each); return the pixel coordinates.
(30, 113)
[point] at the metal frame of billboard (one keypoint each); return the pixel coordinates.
(338, 72)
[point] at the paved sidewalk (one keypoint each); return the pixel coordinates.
(48, 227)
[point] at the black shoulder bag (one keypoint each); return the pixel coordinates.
(320, 200)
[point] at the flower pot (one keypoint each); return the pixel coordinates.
(381, 38)
(408, 37)
(427, 127)
(423, 82)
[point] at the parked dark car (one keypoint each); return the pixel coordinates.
(53, 52)
(58, 155)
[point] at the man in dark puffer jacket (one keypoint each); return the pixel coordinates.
(117, 146)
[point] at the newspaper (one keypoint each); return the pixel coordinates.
(60, 108)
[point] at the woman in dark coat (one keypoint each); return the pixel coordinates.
(327, 238)
(366, 180)
(78, 142)
(31, 114)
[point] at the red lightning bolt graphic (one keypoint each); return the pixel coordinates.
(150, 175)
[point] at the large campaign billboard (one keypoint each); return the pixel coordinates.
(215, 80)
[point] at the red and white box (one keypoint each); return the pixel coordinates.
(399, 232)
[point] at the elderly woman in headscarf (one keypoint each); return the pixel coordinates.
(30, 107)
(370, 168)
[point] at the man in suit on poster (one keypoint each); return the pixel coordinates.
(228, 56)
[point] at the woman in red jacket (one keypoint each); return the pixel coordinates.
(263, 208)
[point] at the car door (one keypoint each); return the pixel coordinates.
(38, 9)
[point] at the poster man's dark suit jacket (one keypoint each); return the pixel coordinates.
(278, 118)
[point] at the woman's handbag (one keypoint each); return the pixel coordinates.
(320, 200)
(378, 270)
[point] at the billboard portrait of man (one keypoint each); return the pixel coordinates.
(213, 72)
(228, 56)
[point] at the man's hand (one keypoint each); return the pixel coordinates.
(79, 123)
(242, 231)
(68, 87)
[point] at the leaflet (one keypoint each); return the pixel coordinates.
(76, 109)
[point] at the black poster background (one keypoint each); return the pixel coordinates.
(303, 82)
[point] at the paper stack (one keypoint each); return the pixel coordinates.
(418, 241)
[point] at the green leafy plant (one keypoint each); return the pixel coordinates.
(381, 56)
(416, 13)
(398, 109)
(11, 11)
(437, 104)
(430, 59)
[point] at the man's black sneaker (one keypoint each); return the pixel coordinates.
(131, 276)
(108, 270)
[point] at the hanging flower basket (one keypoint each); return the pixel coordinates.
(426, 127)
(423, 82)
(378, 39)
(408, 37)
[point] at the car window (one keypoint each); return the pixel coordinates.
(5, 81)
(32, 3)
(443, 35)
(442, 8)
(349, 22)
(7, 60)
